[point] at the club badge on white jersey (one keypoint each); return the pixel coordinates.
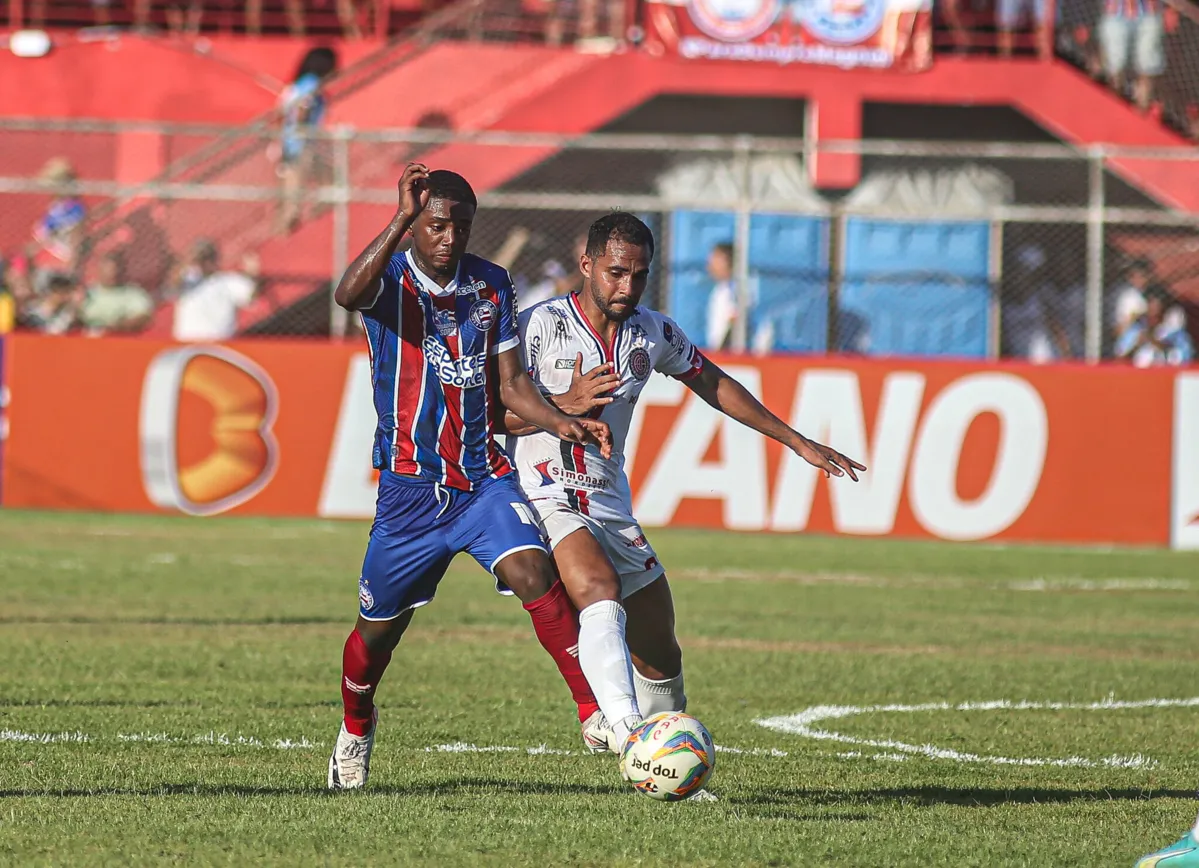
(554, 333)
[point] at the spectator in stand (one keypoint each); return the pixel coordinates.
(1038, 309)
(209, 299)
(57, 233)
(1128, 300)
(112, 304)
(184, 17)
(1009, 15)
(722, 303)
(1132, 27)
(1151, 340)
(557, 277)
(301, 108)
(55, 311)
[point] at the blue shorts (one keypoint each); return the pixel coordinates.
(420, 526)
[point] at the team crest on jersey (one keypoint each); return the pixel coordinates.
(639, 362)
(483, 314)
(365, 597)
(445, 322)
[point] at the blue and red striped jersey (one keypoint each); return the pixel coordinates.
(430, 349)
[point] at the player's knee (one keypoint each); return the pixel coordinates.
(529, 574)
(383, 636)
(593, 587)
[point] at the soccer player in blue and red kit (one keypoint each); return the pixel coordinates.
(444, 346)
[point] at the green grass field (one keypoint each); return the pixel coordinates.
(169, 693)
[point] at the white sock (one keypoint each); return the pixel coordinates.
(604, 657)
(655, 697)
(1195, 829)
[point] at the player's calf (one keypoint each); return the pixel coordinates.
(657, 657)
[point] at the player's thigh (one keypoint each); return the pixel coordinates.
(406, 556)
(583, 564)
(500, 530)
(400, 572)
(650, 631)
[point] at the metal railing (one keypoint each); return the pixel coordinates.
(1055, 230)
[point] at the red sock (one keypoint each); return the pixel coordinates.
(557, 626)
(361, 670)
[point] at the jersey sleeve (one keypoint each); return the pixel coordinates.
(507, 326)
(385, 306)
(679, 357)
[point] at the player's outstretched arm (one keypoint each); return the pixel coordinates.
(360, 284)
(520, 395)
(728, 396)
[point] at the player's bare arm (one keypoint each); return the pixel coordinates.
(360, 283)
(587, 391)
(728, 396)
(519, 393)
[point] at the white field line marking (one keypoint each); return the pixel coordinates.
(804, 724)
(1069, 584)
(222, 739)
(42, 737)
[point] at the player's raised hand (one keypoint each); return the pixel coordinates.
(414, 189)
(825, 458)
(587, 431)
(590, 390)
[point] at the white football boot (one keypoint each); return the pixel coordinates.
(597, 734)
(350, 764)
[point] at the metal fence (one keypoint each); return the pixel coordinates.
(1024, 251)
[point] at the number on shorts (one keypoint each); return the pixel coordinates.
(525, 514)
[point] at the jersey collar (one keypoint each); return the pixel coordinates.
(427, 283)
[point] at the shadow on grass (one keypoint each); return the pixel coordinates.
(444, 788)
(967, 796)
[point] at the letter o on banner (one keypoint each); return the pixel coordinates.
(1023, 441)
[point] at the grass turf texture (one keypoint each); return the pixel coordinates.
(211, 640)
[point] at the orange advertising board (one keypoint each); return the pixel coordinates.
(956, 450)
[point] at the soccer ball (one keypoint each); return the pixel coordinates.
(669, 756)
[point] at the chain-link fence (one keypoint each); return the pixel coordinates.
(1020, 251)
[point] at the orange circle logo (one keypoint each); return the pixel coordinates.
(205, 429)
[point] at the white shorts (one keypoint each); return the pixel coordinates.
(623, 541)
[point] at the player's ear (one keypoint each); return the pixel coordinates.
(585, 265)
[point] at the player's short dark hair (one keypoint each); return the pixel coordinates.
(725, 247)
(451, 187)
(618, 226)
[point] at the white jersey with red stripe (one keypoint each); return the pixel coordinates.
(554, 333)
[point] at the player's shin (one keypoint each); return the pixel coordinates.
(655, 697)
(604, 656)
(361, 669)
(556, 624)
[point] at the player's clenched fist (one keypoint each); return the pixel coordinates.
(587, 431)
(414, 189)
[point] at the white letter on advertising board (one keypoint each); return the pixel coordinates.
(349, 487)
(739, 478)
(1185, 507)
(1023, 441)
(828, 409)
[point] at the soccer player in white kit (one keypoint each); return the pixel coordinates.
(605, 561)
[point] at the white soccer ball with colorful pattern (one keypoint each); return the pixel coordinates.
(670, 756)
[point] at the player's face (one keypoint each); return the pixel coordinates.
(616, 280)
(440, 234)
